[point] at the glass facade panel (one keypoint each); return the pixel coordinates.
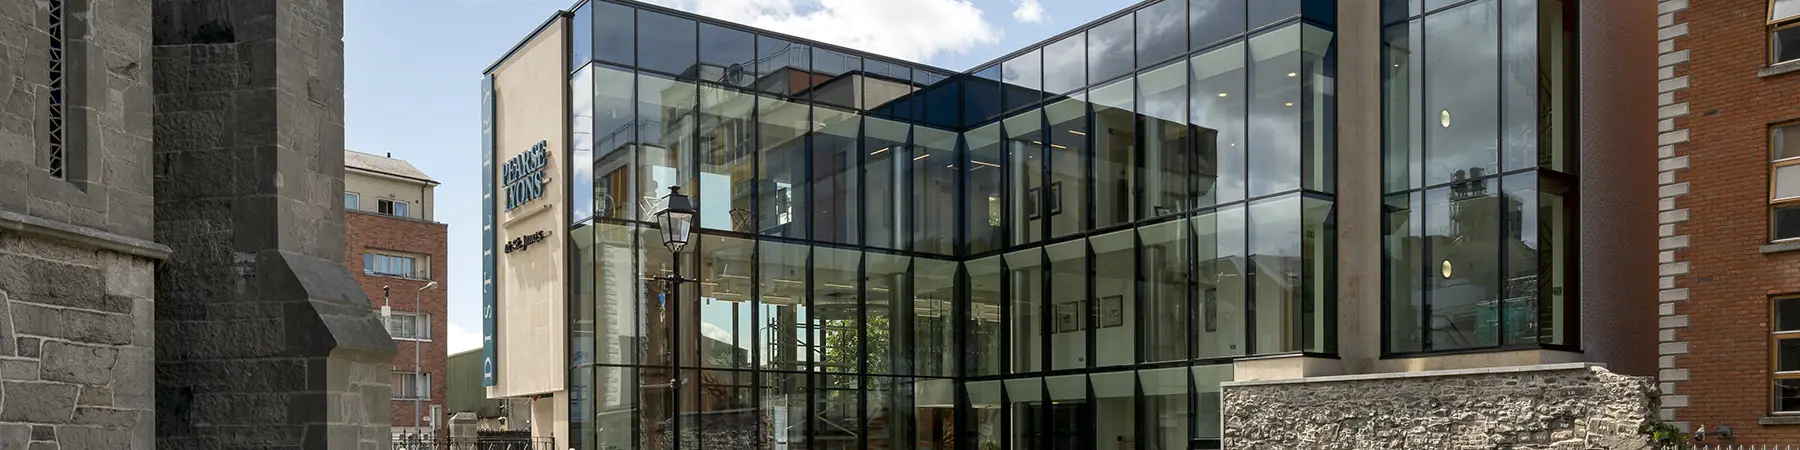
(984, 334)
(838, 90)
(727, 56)
(887, 311)
(933, 317)
(1024, 80)
(981, 95)
(1264, 12)
(1163, 251)
(884, 167)
(615, 143)
(1115, 296)
(726, 320)
(1166, 160)
(666, 121)
(983, 181)
(1161, 32)
(933, 177)
(667, 44)
(581, 41)
(581, 143)
(1222, 268)
(1275, 111)
(781, 187)
(1024, 174)
(836, 191)
(1403, 97)
(1069, 308)
(1462, 233)
(1210, 21)
(1065, 199)
(1115, 148)
(613, 31)
(1217, 115)
(1065, 65)
(1027, 323)
(781, 66)
(781, 306)
(836, 328)
(1165, 408)
(1462, 92)
(1110, 50)
(727, 160)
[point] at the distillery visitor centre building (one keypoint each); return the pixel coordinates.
(1073, 246)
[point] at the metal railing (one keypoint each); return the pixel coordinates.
(430, 442)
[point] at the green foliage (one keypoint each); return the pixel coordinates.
(1664, 435)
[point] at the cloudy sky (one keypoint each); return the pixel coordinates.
(414, 67)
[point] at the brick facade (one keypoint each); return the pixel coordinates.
(365, 231)
(1717, 98)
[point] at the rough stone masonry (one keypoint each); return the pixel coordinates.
(1559, 406)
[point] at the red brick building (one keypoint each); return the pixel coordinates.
(1730, 221)
(393, 243)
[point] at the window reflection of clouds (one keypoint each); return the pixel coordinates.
(1218, 109)
(1461, 76)
(1109, 50)
(1065, 64)
(1161, 32)
(1274, 144)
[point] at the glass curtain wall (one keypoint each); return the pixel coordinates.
(1478, 174)
(1063, 249)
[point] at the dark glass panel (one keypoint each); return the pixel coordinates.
(982, 219)
(1211, 21)
(1025, 175)
(781, 187)
(836, 310)
(1222, 268)
(1163, 262)
(1161, 32)
(614, 144)
(727, 160)
(727, 56)
(1068, 303)
(1264, 12)
(1787, 222)
(1110, 50)
(1462, 225)
(884, 166)
(836, 190)
(666, 120)
(1025, 281)
(1555, 227)
(1024, 79)
(934, 321)
(891, 412)
(1217, 115)
(725, 326)
(1066, 200)
(1115, 291)
(1165, 415)
(943, 103)
(1207, 419)
(888, 312)
(1519, 80)
(1785, 45)
(1787, 314)
(1166, 161)
(782, 67)
(1519, 243)
(666, 43)
(1462, 87)
(1403, 97)
(835, 79)
(985, 403)
(781, 305)
(982, 341)
(1402, 249)
(1787, 355)
(1275, 112)
(613, 31)
(1787, 395)
(1115, 146)
(1398, 10)
(1065, 64)
(581, 143)
(1434, 5)
(981, 96)
(933, 179)
(718, 409)
(883, 84)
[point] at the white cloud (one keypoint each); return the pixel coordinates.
(1029, 11)
(914, 30)
(714, 332)
(462, 340)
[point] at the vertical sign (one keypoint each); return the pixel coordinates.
(489, 347)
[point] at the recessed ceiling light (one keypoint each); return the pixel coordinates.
(1222, 94)
(1290, 103)
(1293, 74)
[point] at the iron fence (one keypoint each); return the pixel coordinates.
(428, 442)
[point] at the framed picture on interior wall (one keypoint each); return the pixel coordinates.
(1112, 311)
(1068, 317)
(1055, 198)
(1031, 203)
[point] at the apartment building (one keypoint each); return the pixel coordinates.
(396, 250)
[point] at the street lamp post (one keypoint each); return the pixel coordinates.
(676, 217)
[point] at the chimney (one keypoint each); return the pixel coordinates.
(390, 155)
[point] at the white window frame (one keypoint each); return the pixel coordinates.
(373, 260)
(421, 326)
(352, 201)
(397, 208)
(421, 391)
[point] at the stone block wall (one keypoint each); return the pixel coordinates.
(1560, 406)
(76, 351)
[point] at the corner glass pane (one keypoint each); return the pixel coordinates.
(884, 164)
(614, 144)
(1402, 106)
(1065, 199)
(1110, 50)
(1026, 321)
(1403, 260)
(836, 190)
(781, 186)
(1115, 148)
(1115, 291)
(1462, 223)
(934, 320)
(944, 103)
(1167, 159)
(781, 67)
(1318, 278)
(1024, 79)
(1211, 21)
(727, 328)
(666, 120)
(727, 56)
(582, 291)
(1207, 420)
(835, 84)
(1520, 247)
(883, 84)
(615, 287)
(1461, 93)
(581, 144)
(727, 160)
(581, 39)
(981, 96)
(657, 302)
(781, 305)
(615, 398)
(1398, 10)
(1163, 262)
(1161, 32)
(983, 221)
(837, 324)
(1275, 111)
(613, 31)
(1264, 12)
(1519, 81)
(1065, 64)
(1068, 304)
(985, 330)
(933, 179)
(1217, 115)
(1025, 175)
(888, 312)
(1275, 259)
(1222, 270)
(1318, 122)
(1556, 225)
(667, 43)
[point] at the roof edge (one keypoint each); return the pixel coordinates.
(528, 37)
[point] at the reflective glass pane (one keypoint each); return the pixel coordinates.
(883, 84)
(1222, 269)
(982, 218)
(1211, 21)
(1065, 64)
(1115, 146)
(613, 32)
(666, 121)
(934, 321)
(1167, 159)
(888, 312)
(1025, 280)
(836, 316)
(1065, 199)
(1024, 79)
(1264, 12)
(884, 166)
(1275, 97)
(1164, 266)
(982, 343)
(834, 82)
(666, 43)
(615, 287)
(581, 43)
(780, 305)
(1275, 254)
(784, 403)
(1519, 79)
(1318, 119)
(1217, 114)
(656, 424)
(1784, 9)
(985, 403)
(836, 190)
(1556, 230)
(1787, 181)
(1068, 304)
(1461, 89)
(1207, 421)
(657, 302)
(615, 398)
(1462, 223)
(581, 144)
(1114, 408)
(1165, 413)
(718, 409)
(582, 291)
(1115, 290)
(1161, 32)
(615, 143)
(726, 324)
(1318, 278)
(1398, 10)
(727, 56)
(1784, 141)
(1109, 50)
(981, 95)
(1025, 175)
(1787, 222)
(781, 184)
(1403, 261)
(727, 160)
(1402, 121)
(781, 66)
(1519, 301)
(933, 170)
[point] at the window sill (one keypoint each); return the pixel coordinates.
(1779, 247)
(412, 339)
(426, 399)
(1778, 69)
(1779, 420)
(396, 276)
